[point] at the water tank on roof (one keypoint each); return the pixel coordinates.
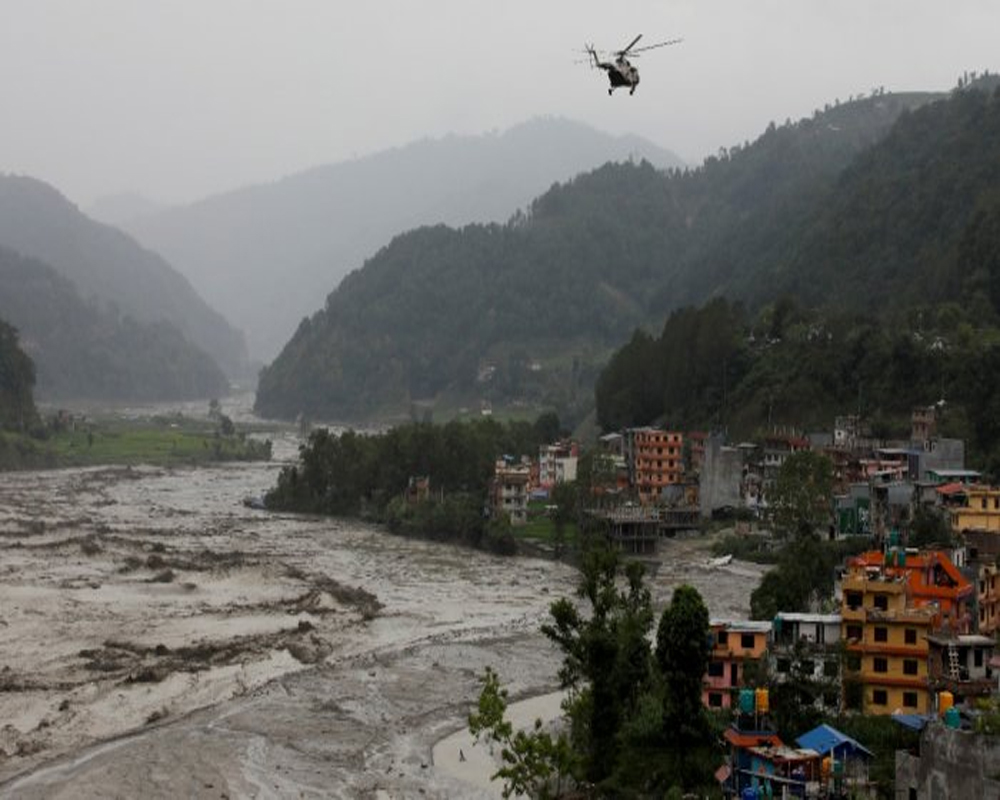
(746, 701)
(946, 701)
(952, 718)
(763, 701)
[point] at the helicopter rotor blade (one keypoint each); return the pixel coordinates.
(630, 45)
(658, 44)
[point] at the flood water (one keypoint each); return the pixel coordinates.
(158, 638)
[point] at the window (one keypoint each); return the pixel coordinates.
(910, 636)
(853, 662)
(831, 669)
(723, 637)
(909, 666)
(808, 667)
(880, 697)
(854, 632)
(977, 657)
(747, 641)
(881, 602)
(910, 699)
(831, 699)
(783, 665)
(716, 669)
(714, 700)
(880, 664)
(881, 634)
(853, 600)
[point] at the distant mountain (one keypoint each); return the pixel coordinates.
(266, 255)
(109, 267)
(525, 313)
(90, 351)
(116, 209)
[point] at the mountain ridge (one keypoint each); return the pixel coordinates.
(319, 224)
(594, 258)
(107, 265)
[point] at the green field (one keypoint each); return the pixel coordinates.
(159, 441)
(542, 529)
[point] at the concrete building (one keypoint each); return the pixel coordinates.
(557, 463)
(721, 477)
(981, 511)
(886, 643)
(509, 491)
(813, 639)
(949, 762)
(655, 459)
(961, 665)
(734, 646)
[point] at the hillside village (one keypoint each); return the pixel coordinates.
(910, 632)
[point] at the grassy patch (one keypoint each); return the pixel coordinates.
(541, 527)
(156, 441)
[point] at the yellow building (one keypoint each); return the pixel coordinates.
(886, 644)
(981, 511)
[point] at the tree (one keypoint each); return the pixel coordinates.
(607, 665)
(534, 763)
(800, 499)
(682, 652)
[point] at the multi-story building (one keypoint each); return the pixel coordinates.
(509, 491)
(557, 463)
(933, 582)
(778, 446)
(988, 599)
(655, 459)
(981, 511)
(812, 640)
(735, 645)
(961, 665)
(886, 642)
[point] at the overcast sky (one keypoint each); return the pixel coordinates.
(178, 99)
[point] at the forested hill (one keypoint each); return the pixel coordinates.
(83, 350)
(523, 313)
(108, 267)
(17, 381)
(287, 244)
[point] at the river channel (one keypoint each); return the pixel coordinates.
(160, 639)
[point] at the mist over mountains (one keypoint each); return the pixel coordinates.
(110, 269)
(866, 206)
(266, 256)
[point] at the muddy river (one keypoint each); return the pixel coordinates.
(159, 639)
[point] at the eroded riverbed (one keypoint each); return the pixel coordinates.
(157, 638)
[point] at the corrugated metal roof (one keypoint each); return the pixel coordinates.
(825, 739)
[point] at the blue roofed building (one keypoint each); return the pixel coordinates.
(845, 760)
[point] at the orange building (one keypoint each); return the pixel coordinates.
(933, 582)
(734, 645)
(655, 461)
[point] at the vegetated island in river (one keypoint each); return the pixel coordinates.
(67, 440)
(423, 480)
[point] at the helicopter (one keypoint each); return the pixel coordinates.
(620, 71)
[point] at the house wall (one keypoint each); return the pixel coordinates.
(952, 763)
(720, 478)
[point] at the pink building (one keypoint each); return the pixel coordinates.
(734, 645)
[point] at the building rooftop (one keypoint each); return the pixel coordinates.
(747, 625)
(798, 616)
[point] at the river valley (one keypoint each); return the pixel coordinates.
(160, 639)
